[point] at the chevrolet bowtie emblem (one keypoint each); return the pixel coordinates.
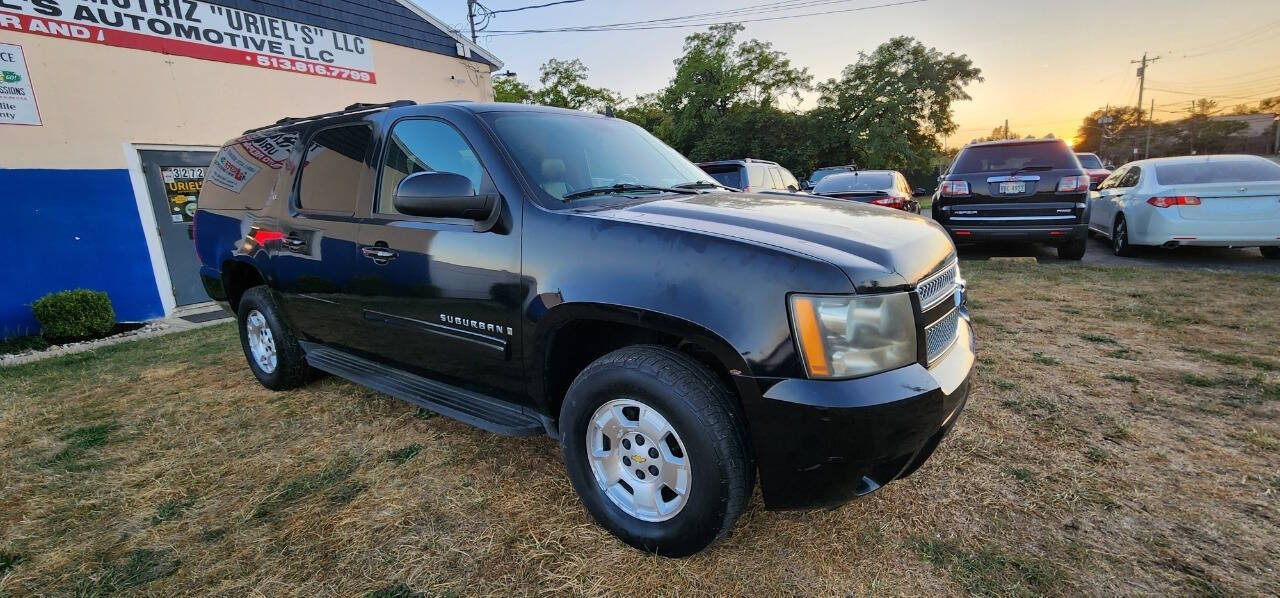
(637, 458)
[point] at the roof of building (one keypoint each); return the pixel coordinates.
(399, 22)
(1256, 124)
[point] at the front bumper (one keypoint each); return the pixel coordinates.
(1031, 234)
(821, 443)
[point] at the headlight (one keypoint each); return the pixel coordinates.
(851, 336)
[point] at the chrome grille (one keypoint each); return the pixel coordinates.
(934, 289)
(940, 335)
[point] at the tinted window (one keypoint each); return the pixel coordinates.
(1130, 178)
(1114, 179)
(1004, 158)
(729, 175)
(331, 169)
(1223, 171)
(855, 181)
(563, 153)
(243, 174)
(425, 146)
(1089, 161)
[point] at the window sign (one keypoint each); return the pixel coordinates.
(182, 188)
(199, 30)
(17, 96)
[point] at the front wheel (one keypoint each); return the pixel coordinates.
(1271, 253)
(1120, 239)
(656, 448)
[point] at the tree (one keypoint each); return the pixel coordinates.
(510, 89)
(888, 109)
(715, 75)
(564, 85)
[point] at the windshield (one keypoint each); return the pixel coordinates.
(1089, 161)
(1003, 158)
(729, 175)
(1225, 171)
(855, 181)
(566, 153)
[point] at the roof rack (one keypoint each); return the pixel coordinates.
(353, 108)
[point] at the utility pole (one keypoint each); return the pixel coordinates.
(1153, 111)
(1006, 128)
(471, 17)
(1142, 81)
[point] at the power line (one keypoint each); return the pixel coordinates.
(506, 10)
(628, 27)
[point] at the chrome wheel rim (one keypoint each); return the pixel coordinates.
(1120, 239)
(638, 460)
(262, 345)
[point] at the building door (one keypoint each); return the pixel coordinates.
(173, 181)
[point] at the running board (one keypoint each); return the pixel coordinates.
(481, 411)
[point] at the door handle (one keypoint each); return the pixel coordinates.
(293, 242)
(379, 255)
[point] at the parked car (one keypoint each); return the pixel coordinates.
(532, 270)
(1093, 164)
(1218, 201)
(1016, 190)
(752, 175)
(826, 171)
(878, 187)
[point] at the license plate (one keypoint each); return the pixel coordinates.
(1010, 187)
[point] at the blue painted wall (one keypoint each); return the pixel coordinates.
(69, 229)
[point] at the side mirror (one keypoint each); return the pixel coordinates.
(920, 191)
(442, 195)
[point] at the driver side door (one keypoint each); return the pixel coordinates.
(437, 297)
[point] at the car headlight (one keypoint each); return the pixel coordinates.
(851, 336)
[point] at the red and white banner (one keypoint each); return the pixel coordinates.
(199, 30)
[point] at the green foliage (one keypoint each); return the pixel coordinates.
(510, 89)
(1129, 129)
(23, 343)
(564, 85)
(74, 314)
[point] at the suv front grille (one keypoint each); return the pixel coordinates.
(940, 335)
(934, 289)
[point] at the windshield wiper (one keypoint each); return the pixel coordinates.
(1030, 167)
(704, 185)
(623, 187)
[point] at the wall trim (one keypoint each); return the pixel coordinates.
(147, 216)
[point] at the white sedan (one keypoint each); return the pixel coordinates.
(1219, 201)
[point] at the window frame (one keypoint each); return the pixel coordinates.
(295, 203)
(486, 181)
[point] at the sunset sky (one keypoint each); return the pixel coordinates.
(1046, 64)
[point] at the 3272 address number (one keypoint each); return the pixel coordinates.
(298, 66)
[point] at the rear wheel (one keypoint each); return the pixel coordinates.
(655, 446)
(1074, 249)
(273, 352)
(1271, 253)
(1120, 239)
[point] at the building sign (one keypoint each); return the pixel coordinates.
(199, 30)
(17, 96)
(182, 188)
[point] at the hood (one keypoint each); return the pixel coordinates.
(878, 248)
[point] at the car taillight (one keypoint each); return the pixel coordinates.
(1174, 200)
(1073, 184)
(261, 237)
(889, 202)
(954, 188)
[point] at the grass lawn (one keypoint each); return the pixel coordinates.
(926, 203)
(1122, 438)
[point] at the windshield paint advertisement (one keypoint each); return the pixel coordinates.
(198, 30)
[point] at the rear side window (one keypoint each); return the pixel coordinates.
(331, 169)
(1224, 171)
(776, 177)
(757, 177)
(1130, 178)
(789, 180)
(425, 146)
(729, 175)
(1003, 158)
(243, 173)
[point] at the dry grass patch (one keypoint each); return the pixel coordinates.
(1122, 438)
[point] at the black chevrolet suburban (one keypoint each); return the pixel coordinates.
(1024, 190)
(531, 270)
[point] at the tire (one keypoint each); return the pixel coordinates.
(1074, 249)
(1120, 239)
(704, 423)
(1271, 253)
(259, 310)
